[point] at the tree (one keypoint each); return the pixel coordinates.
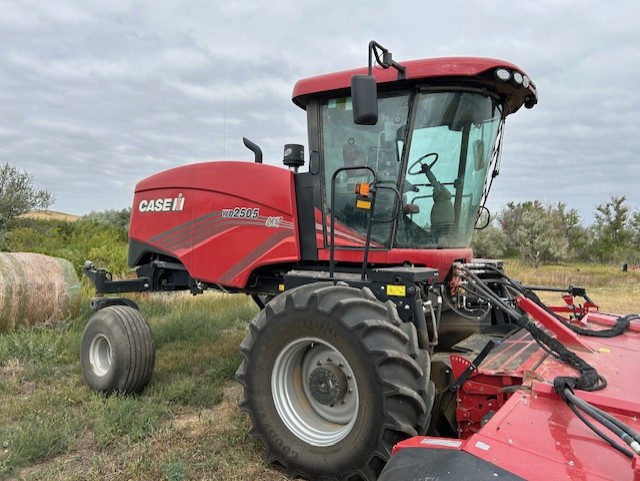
(571, 227)
(612, 221)
(613, 231)
(538, 232)
(508, 220)
(18, 196)
(116, 220)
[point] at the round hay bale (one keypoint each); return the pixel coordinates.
(36, 289)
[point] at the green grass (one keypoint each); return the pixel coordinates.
(185, 425)
(50, 418)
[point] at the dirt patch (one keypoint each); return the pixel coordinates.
(11, 369)
(77, 461)
(240, 456)
(26, 388)
(194, 422)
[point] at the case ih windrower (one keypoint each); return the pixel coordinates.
(376, 323)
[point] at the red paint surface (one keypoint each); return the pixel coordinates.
(533, 433)
(460, 67)
(214, 248)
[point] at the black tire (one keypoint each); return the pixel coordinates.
(332, 380)
(117, 353)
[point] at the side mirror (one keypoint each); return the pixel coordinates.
(364, 98)
(484, 218)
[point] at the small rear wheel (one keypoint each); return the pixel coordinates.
(117, 352)
(332, 380)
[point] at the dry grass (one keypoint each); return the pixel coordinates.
(51, 215)
(201, 444)
(607, 285)
(185, 426)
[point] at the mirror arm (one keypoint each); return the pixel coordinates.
(364, 92)
(386, 61)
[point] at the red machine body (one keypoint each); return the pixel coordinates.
(233, 218)
(417, 70)
(224, 220)
(248, 212)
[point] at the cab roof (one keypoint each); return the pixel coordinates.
(466, 69)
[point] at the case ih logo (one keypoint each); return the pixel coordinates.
(169, 204)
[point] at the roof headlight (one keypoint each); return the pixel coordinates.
(517, 77)
(525, 81)
(503, 74)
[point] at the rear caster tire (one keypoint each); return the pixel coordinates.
(332, 380)
(117, 353)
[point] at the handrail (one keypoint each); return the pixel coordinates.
(333, 215)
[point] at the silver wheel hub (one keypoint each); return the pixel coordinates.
(327, 384)
(314, 391)
(100, 355)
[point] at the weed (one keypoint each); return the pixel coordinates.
(123, 420)
(174, 470)
(38, 436)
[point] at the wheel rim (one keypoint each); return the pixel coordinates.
(100, 355)
(315, 391)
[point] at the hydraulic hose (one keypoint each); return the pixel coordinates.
(589, 379)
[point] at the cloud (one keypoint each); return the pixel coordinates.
(96, 96)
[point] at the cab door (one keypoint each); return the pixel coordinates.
(345, 145)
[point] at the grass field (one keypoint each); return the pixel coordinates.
(614, 290)
(186, 425)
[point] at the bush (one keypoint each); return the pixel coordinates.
(99, 237)
(538, 232)
(489, 243)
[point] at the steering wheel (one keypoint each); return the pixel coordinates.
(413, 171)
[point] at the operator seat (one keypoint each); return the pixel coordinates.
(442, 213)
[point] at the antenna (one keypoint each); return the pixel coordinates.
(224, 130)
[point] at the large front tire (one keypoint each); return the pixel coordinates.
(117, 353)
(332, 380)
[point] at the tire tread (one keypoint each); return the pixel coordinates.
(387, 340)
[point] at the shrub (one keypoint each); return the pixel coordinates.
(100, 237)
(489, 243)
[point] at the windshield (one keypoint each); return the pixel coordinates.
(450, 150)
(439, 181)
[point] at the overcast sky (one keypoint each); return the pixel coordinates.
(95, 96)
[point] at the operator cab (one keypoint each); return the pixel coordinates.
(431, 136)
